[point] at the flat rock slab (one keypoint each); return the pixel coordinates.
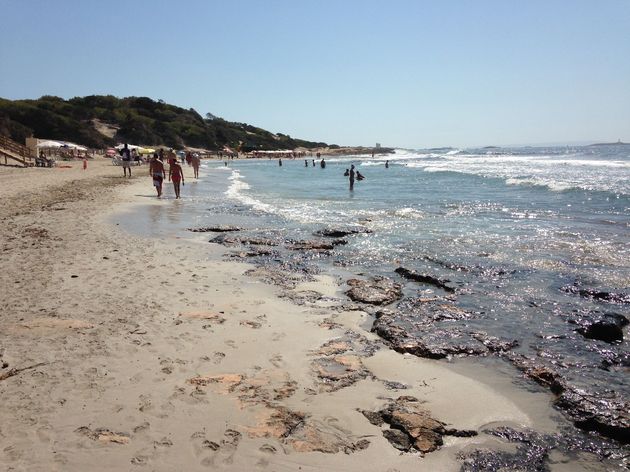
(340, 232)
(246, 240)
(377, 291)
(424, 279)
(215, 229)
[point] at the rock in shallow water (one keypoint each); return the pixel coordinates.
(340, 232)
(607, 327)
(411, 426)
(424, 279)
(377, 291)
(215, 229)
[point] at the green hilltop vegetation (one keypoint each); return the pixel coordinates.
(99, 121)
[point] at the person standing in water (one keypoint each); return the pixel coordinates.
(176, 174)
(351, 177)
(305, 163)
(386, 164)
(280, 162)
(194, 159)
(156, 170)
(322, 163)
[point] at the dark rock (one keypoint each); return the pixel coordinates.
(495, 344)
(398, 439)
(416, 332)
(340, 232)
(314, 245)
(608, 328)
(373, 417)
(424, 279)
(598, 295)
(378, 291)
(253, 252)
(604, 412)
(215, 229)
(533, 448)
(250, 240)
(538, 372)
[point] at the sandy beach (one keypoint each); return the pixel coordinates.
(126, 352)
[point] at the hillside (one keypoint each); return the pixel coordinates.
(103, 120)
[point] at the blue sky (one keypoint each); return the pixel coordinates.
(403, 73)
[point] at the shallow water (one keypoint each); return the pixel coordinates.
(507, 227)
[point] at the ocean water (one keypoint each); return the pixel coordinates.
(508, 228)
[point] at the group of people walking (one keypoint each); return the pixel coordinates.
(157, 170)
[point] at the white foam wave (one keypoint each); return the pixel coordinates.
(235, 191)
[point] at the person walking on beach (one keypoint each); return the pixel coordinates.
(156, 170)
(351, 177)
(176, 174)
(194, 159)
(125, 153)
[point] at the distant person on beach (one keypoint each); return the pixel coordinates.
(322, 164)
(360, 176)
(351, 177)
(125, 153)
(156, 170)
(386, 164)
(194, 159)
(313, 162)
(280, 162)
(305, 162)
(176, 174)
(346, 173)
(172, 159)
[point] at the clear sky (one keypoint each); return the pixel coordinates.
(406, 73)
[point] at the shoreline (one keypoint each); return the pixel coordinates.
(158, 352)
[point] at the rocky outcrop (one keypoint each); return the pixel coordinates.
(249, 240)
(424, 279)
(532, 450)
(410, 426)
(603, 411)
(340, 232)
(215, 229)
(606, 327)
(425, 329)
(377, 291)
(316, 245)
(619, 298)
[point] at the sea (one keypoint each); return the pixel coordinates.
(526, 236)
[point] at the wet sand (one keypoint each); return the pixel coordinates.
(120, 350)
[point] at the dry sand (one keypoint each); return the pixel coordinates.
(123, 352)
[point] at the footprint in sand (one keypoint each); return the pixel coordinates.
(211, 451)
(218, 357)
(277, 361)
(230, 343)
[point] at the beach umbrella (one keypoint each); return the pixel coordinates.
(49, 144)
(145, 151)
(74, 146)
